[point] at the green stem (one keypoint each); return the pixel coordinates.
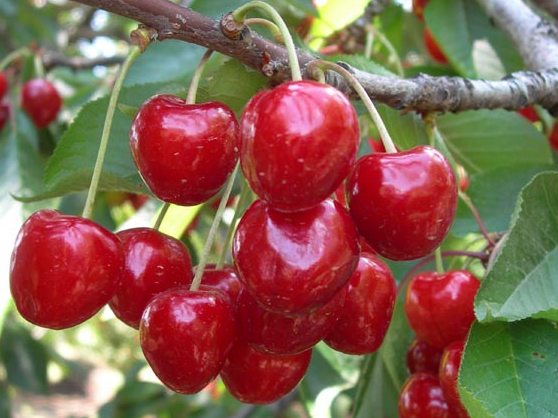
(12, 56)
(161, 216)
(316, 66)
(394, 56)
(212, 231)
(474, 211)
(269, 25)
(39, 67)
(88, 209)
(194, 84)
(369, 43)
(439, 260)
(240, 203)
(239, 15)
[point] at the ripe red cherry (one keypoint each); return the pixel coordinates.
(433, 48)
(4, 114)
(553, 137)
(376, 145)
(186, 335)
(418, 8)
(292, 263)
(403, 203)
(366, 314)
(63, 269)
(224, 279)
(254, 377)
(422, 397)
(273, 333)
(299, 142)
(184, 152)
(3, 85)
(529, 113)
(449, 371)
(440, 306)
(423, 358)
(153, 263)
(41, 101)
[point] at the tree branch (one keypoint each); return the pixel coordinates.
(423, 93)
(53, 59)
(550, 6)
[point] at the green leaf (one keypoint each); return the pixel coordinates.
(406, 131)
(522, 282)
(24, 358)
(215, 8)
(5, 401)
(485, 140)
(362, 63)
(509, 370)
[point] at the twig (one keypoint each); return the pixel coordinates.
(53, 59)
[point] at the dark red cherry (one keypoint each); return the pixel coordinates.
(186, 336)
(553, 138)
(3, 85)
(376, 145)
(153, 263)
(299, 142)
(449, 372)
(365, 317)
(273, 333)
(184, 152)
(41, 101)
(529, 113)
(4, 114)
(403, 203)
(423, 358)
(422, 397)
(254, 377)
(63, 269)
(292, 263)
(440, 306)
(433, 48)
(224, 279)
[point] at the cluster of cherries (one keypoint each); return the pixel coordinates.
(439, 308)
(39, 99)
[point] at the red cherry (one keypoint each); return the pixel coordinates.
(4, 114)
(299, 142)
(423, 358)
(440, 306)
(464, 180)
(153, 263)
(418, 8)
(422, 397)
(137, 200)
(273, 333)
(449, 371)
(403, 203)
(184, 152)
(63, 269)
(224, 279)
(41, 101)
(553, 137)
(3, 85)
(376, 145)
(186, 336)
(529, 113)
(254, 377)
(292, 263)
(365, 317)
(433, 48)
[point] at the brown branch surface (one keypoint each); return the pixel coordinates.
(550, 6)
(53, 59)
(423, 93)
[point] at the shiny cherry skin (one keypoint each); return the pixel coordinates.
(223, 279)
(41, 101)
(153, 262)
(423, 358)
(4, 114)
(273, 333)
(448, 374)
(418, 8)
(293, 263)
(3, 85)
(433, 48)
(259, 378)
(186, 335)
(403, 203)
(184, 152)
(440, 306)
(422, 397)
(299, 142)
(63, 269)
(366, 315)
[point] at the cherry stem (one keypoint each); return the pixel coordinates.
(39, 68)
(163, 211)
(394, 56)
(451, 253)
(113, 101)
(212, 231)
(439, 260)
(239, 16)
(269, 25)
(317, 66)
(240, 203)
(474, 211)
(12, 56)
(196, 77)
